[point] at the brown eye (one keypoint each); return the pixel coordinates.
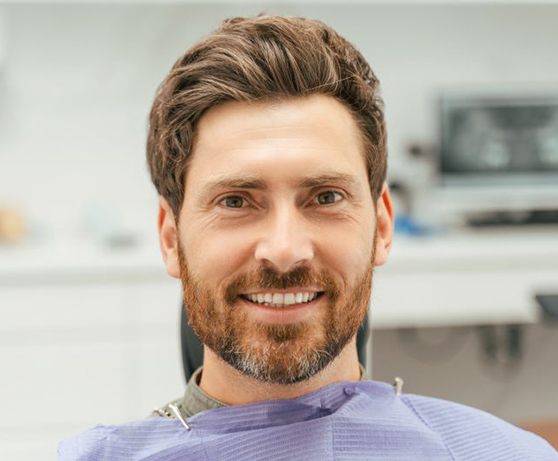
(233, 201)
(329, 197)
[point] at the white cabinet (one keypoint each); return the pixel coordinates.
(468, 279)
(76, 355)
(467, 297)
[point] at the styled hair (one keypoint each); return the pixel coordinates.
(259, 59)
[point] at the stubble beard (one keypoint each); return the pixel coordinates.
(275, 353)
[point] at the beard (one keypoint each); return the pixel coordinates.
(275, 353)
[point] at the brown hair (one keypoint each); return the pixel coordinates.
(255, 59)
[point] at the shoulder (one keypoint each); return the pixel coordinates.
(130, 441)
(472, 434)
(166, 411)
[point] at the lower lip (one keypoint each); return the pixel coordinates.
(282, 315)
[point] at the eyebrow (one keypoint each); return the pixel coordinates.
(244, 182)
(325, 179)
(255, 183)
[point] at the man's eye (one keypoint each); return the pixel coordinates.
(329, 197)
(233, 201)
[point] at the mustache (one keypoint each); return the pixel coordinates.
(268, 278)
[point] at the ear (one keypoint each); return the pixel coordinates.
(384, 226)
(168, 238)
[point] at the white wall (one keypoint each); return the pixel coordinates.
(2, 39)
(77, 82)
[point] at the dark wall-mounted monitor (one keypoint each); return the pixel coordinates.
(498, 152)
(499, 140)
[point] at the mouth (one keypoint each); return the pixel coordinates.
(280, 300)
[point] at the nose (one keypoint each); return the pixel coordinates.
(286, 241)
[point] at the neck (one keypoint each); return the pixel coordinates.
(226, 384)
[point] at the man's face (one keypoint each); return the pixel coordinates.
(275, 242)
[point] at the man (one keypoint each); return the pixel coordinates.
(267, 146)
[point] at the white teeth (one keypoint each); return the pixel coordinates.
(289, 298)
(282, 299)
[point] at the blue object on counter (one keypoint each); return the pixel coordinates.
(406, 225)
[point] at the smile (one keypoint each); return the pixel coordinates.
(274, 299)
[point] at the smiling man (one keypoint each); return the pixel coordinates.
(267, 147)
(274, 245)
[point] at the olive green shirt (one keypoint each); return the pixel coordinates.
(195, 400)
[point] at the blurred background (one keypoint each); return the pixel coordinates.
(465, 310)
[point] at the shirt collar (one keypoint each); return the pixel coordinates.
(195, 400)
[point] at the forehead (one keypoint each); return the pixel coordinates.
(277, 140)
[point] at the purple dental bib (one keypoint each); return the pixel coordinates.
(363, 420)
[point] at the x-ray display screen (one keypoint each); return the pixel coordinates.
(498, 137)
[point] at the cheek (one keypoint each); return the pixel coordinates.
(347, 248)
(215, 256)
(348, 260)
